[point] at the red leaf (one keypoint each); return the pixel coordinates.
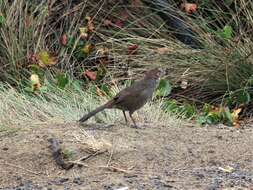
(189, 7)
(91, 75)
(119, 23)
(132, 49)
(90, 25)
(64, 40)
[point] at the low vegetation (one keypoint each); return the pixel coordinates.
(60, 106)
(98, 45)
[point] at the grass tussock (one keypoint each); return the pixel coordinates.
(60, 106)
(222, 66)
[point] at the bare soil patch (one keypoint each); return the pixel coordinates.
(152, 157)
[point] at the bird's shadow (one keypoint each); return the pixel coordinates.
(107, 127)
(96, 126)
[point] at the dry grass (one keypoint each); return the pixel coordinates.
(222, 67)
(60, 106)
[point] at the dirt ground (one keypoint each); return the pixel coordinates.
(152, 157)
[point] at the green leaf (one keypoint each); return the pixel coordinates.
(2, 20)
(226, 33)
(29, 89)
(163, 89)
(62, 80)
(243, 97)
(43, 89)
(227, 117)
(71, 42)
(106, 90)
(213, 118)
(101, 72)
(207, 108)
(170, 106)
(79, 54)
(187, 110)
(201, 120)
(229, 101)
(35, 69)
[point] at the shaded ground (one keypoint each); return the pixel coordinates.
(153, 157)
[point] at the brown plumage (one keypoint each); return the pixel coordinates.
(131, 98)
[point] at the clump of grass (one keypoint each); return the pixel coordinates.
(223, 65)
(21, 33)
(59, 106)
(31, 28)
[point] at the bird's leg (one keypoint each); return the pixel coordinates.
(130, 114)
(124, 113)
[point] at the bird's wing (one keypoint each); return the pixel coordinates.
(131, 91)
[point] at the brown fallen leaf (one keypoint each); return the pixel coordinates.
(88, 48)
(132, 49)
(235, 117)
(91, 75)
(64, 40)
(83, 32)
(90, 25)
(189, 7)
(46, 59)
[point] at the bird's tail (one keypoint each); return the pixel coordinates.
(94, 112)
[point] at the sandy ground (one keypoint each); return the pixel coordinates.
(151, 157)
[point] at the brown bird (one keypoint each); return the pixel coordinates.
(131, 98)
